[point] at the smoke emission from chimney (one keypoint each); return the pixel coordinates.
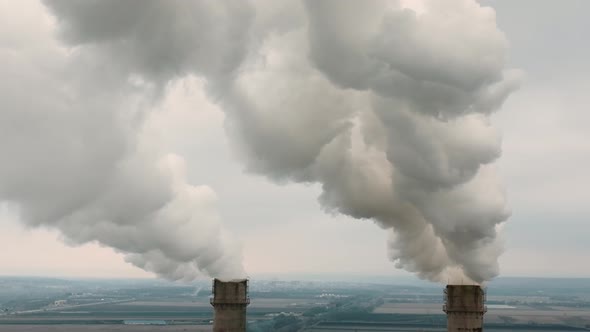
(387, 109)
(76, 160)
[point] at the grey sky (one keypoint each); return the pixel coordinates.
(546, 155)
(546, 128)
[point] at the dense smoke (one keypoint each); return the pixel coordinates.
(386, 108)
(76, 159)
(389, 111)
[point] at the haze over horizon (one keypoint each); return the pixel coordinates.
(281, 227)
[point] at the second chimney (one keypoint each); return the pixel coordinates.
(230, 299)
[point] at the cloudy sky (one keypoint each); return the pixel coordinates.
(280, 226)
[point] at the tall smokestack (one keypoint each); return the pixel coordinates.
(464, 306)
(230, 299)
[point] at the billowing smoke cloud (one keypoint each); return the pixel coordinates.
(432, 81)
(387, 109)
(75, 158)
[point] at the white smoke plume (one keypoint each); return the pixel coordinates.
(387, 109)
(75, 160)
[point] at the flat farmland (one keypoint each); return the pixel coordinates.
(104, 328)
(361, 328)
(175, 304)
(108, 316)
(522, 314)
(103, 315)
(285, 303)
(410, 308)
(547, 315)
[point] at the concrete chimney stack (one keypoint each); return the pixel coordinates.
(464, 306)
(230, 299)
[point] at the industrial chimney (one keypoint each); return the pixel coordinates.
(229, 301)
(464, 306)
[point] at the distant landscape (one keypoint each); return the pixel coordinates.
(514, 304)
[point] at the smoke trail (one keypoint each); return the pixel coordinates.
(387, 109)
(433, 80)
(75, 159)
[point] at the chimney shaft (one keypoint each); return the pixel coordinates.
(230, 299)
(464, 305)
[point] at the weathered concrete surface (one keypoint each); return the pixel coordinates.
(230, 299)
(464, 305)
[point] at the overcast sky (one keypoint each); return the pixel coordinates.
(282, 228)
